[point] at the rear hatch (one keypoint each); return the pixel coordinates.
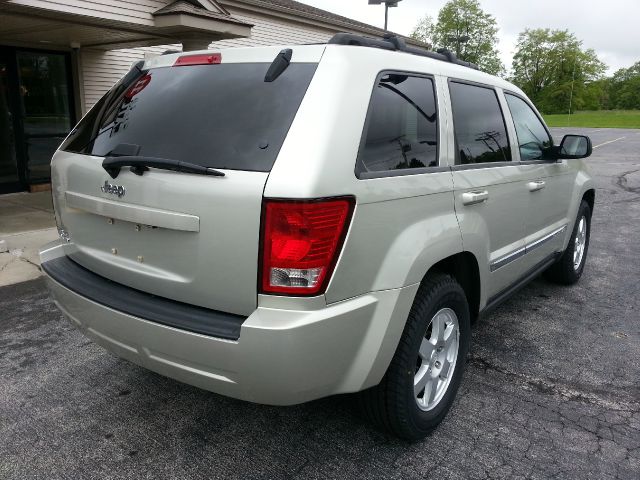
(185, 236)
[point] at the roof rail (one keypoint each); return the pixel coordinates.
(396, 43)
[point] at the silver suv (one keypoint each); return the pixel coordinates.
(279, 225)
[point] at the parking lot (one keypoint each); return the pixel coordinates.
(552, 387)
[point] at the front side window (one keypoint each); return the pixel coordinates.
(533, 139)
(401, 131)
(480, 130)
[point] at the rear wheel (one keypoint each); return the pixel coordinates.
(421, 382)
(568, 269)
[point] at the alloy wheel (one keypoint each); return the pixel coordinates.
(436, 359)
(580, 243)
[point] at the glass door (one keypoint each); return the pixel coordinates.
(46, 111)
(10, 178)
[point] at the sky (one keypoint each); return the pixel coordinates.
(611, 27)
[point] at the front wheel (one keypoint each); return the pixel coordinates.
(421, 382)
(568, 269)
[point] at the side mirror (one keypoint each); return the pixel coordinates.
(574, 146)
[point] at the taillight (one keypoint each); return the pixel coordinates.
(301, 242)
(198, 59)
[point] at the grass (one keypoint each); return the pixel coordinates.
(597, 119)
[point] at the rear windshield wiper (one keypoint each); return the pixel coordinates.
(140, 164)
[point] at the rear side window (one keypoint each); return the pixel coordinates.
(219, 116)
(480, 130)
(533, 139)
(401, 131)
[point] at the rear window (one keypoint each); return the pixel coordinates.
(219, 116)
(401, 132)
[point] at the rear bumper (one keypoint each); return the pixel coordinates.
(283, 356)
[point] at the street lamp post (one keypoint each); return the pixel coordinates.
(387, 4)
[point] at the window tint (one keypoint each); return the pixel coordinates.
(218, 116)
(533, 138)
(481, 133)
(402, 125)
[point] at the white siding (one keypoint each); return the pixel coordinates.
(102, 69)
(275, 31)
(138, 12)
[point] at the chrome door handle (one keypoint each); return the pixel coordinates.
(535, 186)
(471, 198)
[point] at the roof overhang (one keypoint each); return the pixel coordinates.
(179, 25)
(23, 24)
(182, 20)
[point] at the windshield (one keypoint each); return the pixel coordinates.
(219, 116)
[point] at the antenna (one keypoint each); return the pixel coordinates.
(387, 4)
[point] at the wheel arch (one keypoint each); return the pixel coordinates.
(590, 197)
(584, 189)
(462, 266)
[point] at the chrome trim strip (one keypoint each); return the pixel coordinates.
(545, 239)
(507, 259)
(510, 257)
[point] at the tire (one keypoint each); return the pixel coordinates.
(393, 405)
(567, 271)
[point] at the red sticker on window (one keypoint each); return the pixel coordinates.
(137, 87)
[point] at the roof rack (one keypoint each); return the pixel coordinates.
(396, 43)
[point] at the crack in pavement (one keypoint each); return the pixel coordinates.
(550, 387)
(627, 200)
(25, 259)
(2, 267)
(622, 182)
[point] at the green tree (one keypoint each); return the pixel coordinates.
(624, 92)
(423, 31)
(596, 95)
(465, 29)
(553, 69)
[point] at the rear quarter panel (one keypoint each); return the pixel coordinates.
(401, 225)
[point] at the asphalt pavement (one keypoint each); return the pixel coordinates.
(551, 390)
